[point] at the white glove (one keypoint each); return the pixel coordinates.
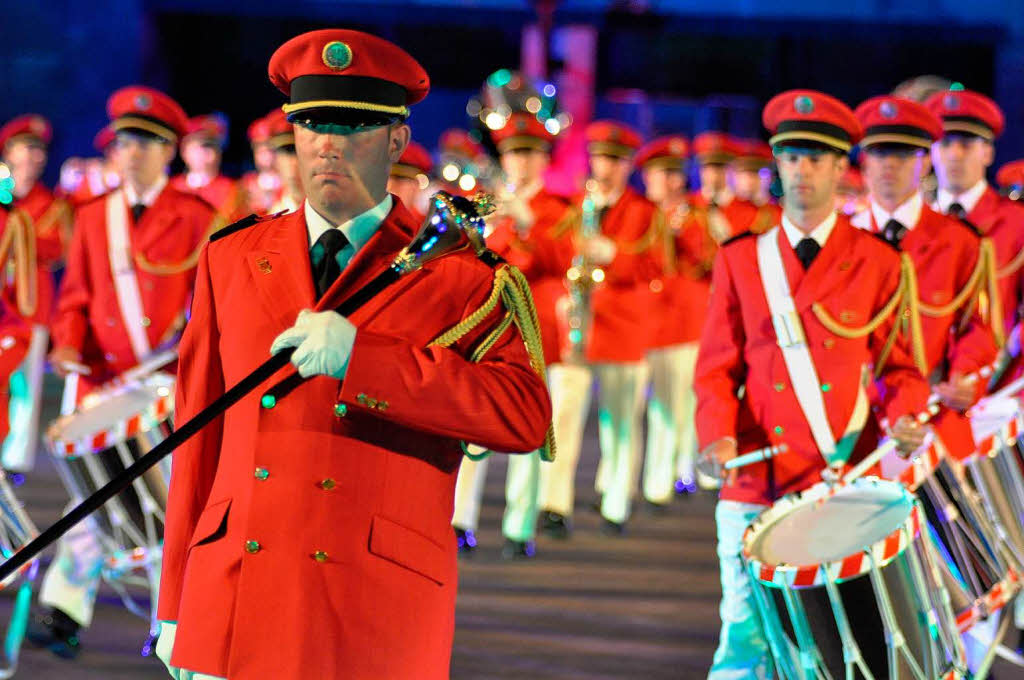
(322, 341)
(601, 249)
(164, 645)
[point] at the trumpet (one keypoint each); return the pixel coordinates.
(582, 278)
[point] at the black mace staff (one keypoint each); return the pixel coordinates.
(452, 224)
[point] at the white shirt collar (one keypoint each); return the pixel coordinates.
(357, 230)
(907, 213)
(148, 196)
(967, 199)
(820, 233)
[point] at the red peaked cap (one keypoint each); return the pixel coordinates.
(142, 108)
(895, 120)
(103, 138)
(258, 131)
(716, 148)
(336, 72)
(967, 112)
(415, 160)
(612, 138)
(212, 126)
(27, 125)
(522, 131)
(669, 151)
(810, 116)
(1011, 174)
(280, 130)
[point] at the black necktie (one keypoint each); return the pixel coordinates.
(807, 250)
(957, 210)
(324, 260)
(137, 211)
(894, 232)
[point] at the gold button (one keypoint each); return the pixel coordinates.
(146, 322)
(261, 473)
(780, 386)
(829, 343)
(328, 484)
(252, 546)
(361, 398)
(340, 410)
(383, 405)
(320, 556)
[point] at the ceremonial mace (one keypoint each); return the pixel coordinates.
(452, 224)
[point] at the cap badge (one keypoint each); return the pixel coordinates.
(337, 55)
(143, 101)
(520, 125)
(804, 105)
(37, 125)
(614, 135)
(676, 147)
(888, 110)
(951, 101)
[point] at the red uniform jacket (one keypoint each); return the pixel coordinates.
(623, 305)
(51, 223)
(945, 254)
(369, 492)
(15, 335)
(1002, 220)
(853, 277)
(681, 293)
(88, 317)
(222, 192)
(544, 255)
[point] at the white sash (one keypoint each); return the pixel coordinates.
(789, 332)
(126, 284)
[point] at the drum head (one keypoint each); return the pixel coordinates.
(112, 405)
(989, 415)
(817, 528)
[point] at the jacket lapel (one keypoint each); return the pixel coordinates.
(280, 269)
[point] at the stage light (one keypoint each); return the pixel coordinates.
(450, 172)
(495, 120)
(467, 182)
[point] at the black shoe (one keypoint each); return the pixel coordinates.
(518, 550)
(555, 525)
(610, 528)
(466, 541)
(56, 631)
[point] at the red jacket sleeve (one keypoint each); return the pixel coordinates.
(71, 320)
(721, 369)
(200, 382)
(499, 402)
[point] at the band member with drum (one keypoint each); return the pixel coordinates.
(310, 536)
(680, 296)
(955, 276)
(126, 290)
(788, 347)
(532, 230)
(410, 177)
(606, 332)
(261, 187)
(286, 163)
(45, 220)
(201, 149)
(971, 123)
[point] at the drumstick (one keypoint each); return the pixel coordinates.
(755, 456)
(75, 367)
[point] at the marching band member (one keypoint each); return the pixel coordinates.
(606, 333)
(954, 270)
(750, 175)
(46, 223)
(533, 231)
(286, 164)
(410, 177)
(798, 317)
(261, 187)
(201, 149)
(681, 296)
(726, 214)
(971, 123)
(1010, 179)
(332, 507)
(126, 290)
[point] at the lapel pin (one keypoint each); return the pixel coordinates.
(264, 265)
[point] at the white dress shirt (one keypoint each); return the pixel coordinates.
(908, 213)
(967, 199)
(357, 230)
(820, 233)
(148, 196)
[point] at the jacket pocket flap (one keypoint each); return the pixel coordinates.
(408, 548)
(212, 524)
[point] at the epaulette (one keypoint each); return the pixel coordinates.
(881, 237)
(737, 237)
(243, 223)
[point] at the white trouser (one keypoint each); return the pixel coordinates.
(72, 579)
(26, 387)
(742, 652)
(620, 413)
(671, 435)
(522, 484)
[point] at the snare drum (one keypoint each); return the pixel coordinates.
(114, 427)
(846, 586)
